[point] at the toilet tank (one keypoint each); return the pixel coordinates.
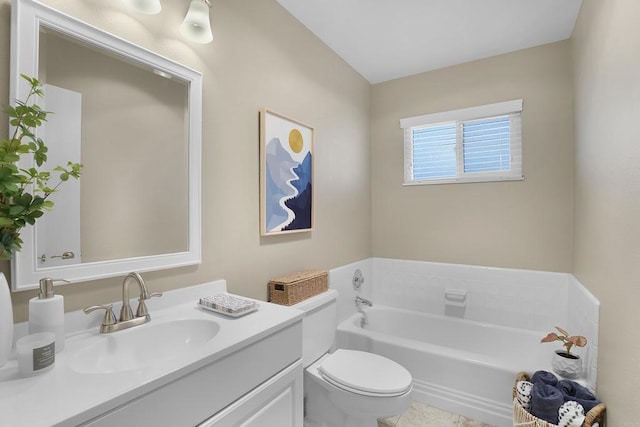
(318, 325)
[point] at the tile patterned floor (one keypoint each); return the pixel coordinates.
(420, 415)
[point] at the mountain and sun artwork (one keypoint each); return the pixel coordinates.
(286, 178)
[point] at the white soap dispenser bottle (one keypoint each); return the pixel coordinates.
(46, 312)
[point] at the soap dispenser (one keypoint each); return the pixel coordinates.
(46, 312)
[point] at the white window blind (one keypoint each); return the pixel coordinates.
(468, 145)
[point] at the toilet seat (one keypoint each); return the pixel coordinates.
(365, 373)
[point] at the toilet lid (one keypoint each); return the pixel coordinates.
(370, 373)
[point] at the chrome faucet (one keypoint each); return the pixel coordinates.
(127, 319)
(359, 303)
(126, 313)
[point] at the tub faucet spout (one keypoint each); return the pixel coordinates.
(360, 301)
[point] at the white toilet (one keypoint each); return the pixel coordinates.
(346, 388)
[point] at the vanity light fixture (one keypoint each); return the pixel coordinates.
(150, 7)
(196, 25)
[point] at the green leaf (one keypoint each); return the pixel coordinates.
(16, 210)
(24, 200)
(24, 192)
(10, 188)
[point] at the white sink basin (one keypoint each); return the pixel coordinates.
(142, 346)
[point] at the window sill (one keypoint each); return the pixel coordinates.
(464, 180)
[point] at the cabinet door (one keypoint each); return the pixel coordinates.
(276, 403)
(279, 412)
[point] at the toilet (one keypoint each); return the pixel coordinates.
(346, 388)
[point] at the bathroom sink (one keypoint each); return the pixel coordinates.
(143, 346)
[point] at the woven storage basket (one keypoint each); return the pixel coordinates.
(522, 418)
(296, 287)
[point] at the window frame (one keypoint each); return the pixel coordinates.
(512, 108)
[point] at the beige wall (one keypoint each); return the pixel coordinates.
(606, 46)
(521, 224)
(260, 57)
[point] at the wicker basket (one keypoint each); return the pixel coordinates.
(296, 287)
(522, 418)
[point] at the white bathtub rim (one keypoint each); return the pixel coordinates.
(351, 325)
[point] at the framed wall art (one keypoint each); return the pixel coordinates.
(286, 175)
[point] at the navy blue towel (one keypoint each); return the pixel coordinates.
(545, 378)
(573, 391)
(546, 400)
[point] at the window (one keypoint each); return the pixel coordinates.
(469, 145)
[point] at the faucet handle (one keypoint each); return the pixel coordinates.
(142, 307)
(148, 296)
(109, 316)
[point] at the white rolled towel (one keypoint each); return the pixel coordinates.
(523, 394)
(570, 414)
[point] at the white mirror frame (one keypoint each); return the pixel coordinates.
(26, 18)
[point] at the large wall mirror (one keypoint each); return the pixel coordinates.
(133, 119)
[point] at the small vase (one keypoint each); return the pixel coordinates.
(566, 364)
(6, 321)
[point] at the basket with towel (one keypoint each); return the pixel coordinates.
(542, 400)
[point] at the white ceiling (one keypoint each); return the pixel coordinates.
(388, 39)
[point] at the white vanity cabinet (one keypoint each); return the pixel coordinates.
(258, 385)
(276, 403)
(188, 367)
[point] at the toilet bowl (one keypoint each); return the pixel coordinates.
(346, 388)
(352, 388)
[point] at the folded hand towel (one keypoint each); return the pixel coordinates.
(545, 402)
(571, 414)
(571, 390)
(523, 393)
(545, 378)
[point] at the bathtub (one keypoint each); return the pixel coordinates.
(458, 365)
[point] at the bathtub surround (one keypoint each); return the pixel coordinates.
(464, 364)
(522, 299)
(340, 279)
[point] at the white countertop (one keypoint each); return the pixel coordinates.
(63, 397)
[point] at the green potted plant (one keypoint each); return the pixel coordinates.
(24, 192)
(564, 362)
